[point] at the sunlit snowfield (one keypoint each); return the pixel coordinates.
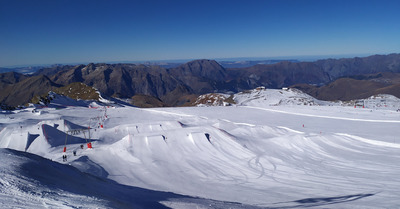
(284, 156)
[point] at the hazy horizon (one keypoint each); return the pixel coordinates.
(307, 58)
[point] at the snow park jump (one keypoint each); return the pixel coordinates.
(56, 137)
(30, 139)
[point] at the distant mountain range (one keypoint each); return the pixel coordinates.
(355, 87)
(180, 85)
(249, 63)
(163, 64)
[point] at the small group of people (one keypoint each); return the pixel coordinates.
(64, 158)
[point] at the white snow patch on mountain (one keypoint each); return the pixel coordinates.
(273, 97)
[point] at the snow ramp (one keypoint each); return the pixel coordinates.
(156, 127)
(12, 138)
(30, 139)
(157, 147)
(201, 140)
(72, 126)
(56, 137)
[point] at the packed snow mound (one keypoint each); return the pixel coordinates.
(24, 138)
(274, 97)
(30, 181)
(174, 157)
(31, 137)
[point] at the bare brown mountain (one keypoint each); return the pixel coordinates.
(22, 92)
(337, 68)
(392, 90)
(175, 86)
(180, 96)
(120, 80)
(200, 76)
(278, 75)
(146, 101)
(49, 71)
(207, 69)
(342, 89)
(10, 78)
(180, 85)
(357, 87)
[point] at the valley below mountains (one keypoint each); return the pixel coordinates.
(155, 86)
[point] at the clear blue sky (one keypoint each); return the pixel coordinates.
(74, 31)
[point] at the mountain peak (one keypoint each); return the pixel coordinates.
(11, 77)
(204, 63)
(204, 68)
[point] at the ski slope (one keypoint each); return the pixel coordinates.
(244, 156)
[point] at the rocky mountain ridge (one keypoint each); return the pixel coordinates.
(355, 87)
(179, 86)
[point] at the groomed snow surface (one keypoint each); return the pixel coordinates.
(252, 155)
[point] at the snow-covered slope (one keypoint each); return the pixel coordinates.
(30, 181)
(264, 155)
(268, 97)
(262, 97)
(381, 101)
